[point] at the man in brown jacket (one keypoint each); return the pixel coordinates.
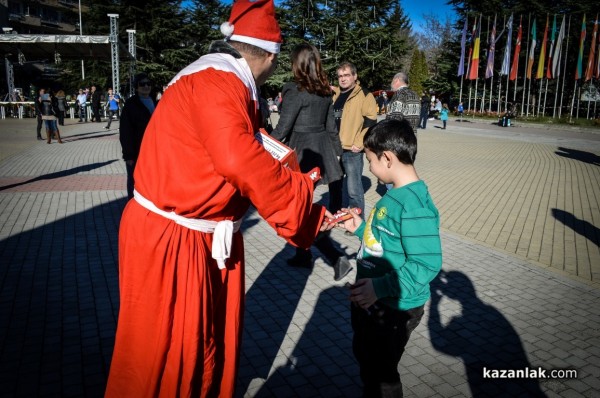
(355, 111)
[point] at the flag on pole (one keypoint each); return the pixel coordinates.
(579, 69)
(473, 33)
(597, 72)
(474, 72)
(549, 68)
(489, 69)
(514, 69)
(556, 57)
(542, 59)
(505, 70)
(463, 44)
(531, 50)
(589, 71)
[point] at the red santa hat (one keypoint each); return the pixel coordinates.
(253, 22)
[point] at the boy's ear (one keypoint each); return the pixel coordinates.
(389, 156)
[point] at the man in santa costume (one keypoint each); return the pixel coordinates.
(181, 254)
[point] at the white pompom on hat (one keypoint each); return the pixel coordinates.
(253, 22)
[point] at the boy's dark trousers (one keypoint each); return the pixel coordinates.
(380, 336)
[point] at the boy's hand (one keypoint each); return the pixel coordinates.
(353, 223)
(362, 293)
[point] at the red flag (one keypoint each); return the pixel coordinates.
(474, 68)
(473, 73)
(515, 63)
(589, 71)
(542, 59)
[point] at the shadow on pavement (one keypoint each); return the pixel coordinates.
(582, 227)
(321, 361)
(582, 156)
(481, 337)
(59, 296)
(62, 173)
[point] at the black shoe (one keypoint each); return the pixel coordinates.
(341, 268)
(106, 127)
(301, 260)
(39, 137)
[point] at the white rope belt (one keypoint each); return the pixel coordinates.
(222, 230)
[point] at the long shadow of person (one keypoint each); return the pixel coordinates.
(270, 305)
(321, 363)
(482, 337)
(61, 173)
(582, 227)
(582, 156)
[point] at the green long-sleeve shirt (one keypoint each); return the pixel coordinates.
(401, 248)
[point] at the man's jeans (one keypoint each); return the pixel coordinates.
(353, 165)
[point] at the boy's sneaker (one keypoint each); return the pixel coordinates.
(341, 268)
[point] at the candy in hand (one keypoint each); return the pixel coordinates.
(342, 216)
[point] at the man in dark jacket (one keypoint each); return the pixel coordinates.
(134, 119)
(96, 104)
(38, 112)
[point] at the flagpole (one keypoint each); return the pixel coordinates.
(526, 67)
(573, 102)
(545, 97)
(562, 92)
(588, 111)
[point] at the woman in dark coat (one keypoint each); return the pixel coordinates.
(306, 124)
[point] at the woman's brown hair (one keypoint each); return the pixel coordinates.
(307, 69)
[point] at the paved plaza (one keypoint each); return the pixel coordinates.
(519, 289)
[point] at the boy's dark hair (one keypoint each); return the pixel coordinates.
(396, 136)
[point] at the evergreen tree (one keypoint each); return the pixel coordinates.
(418, 73)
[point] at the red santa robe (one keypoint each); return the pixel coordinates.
(180, 321)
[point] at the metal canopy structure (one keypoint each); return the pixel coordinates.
(41, 47)
(24, 47)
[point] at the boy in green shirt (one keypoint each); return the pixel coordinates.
(400, 254)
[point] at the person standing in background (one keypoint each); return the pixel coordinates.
(95, 99)
(424, 111)
(306, 123)
(135, 117)
(355, 110)
(444, 115)
(405, 104)
(61, 101)
(82, 104)
(38, 112)
(112, 105)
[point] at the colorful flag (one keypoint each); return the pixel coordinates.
(489, 69)
(505, 70)
(579, 69)
(514, 69)
(597, 72)
(589, 71)
(557, 56)
(531, 50)
(542, 59)
(473, 33)
(463, 44)
(549, 68)
(474, 72)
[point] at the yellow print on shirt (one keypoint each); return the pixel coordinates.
(371, 245)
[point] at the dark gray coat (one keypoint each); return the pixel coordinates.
(306, 124)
